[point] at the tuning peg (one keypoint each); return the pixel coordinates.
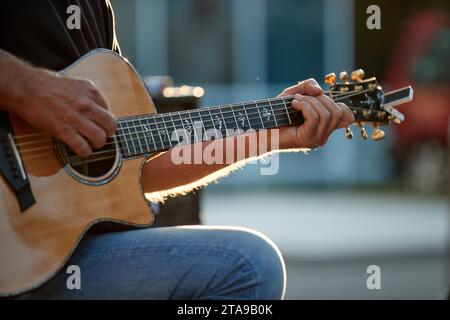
(394, 119)
(362, 131)
(344, 76)
(330, 78)
(358, 75)
(377, 133)
(348, 133)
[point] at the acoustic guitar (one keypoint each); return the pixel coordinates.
(50, 197)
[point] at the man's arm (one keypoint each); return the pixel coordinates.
(161, 177)
(74, 111)
(70, 109)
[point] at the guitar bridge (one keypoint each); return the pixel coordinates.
(11, 166)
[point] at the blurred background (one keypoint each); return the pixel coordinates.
(350, 204)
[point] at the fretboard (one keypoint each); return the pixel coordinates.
(145, 134)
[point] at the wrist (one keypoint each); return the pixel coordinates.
(19, 83)
(285, 140)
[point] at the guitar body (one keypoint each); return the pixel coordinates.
(36, 243)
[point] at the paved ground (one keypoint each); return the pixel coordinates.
(329, 238)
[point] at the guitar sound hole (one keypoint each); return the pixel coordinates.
(98, 168)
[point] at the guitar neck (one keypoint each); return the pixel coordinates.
(145, 134)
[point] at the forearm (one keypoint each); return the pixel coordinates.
(166, 175)
(15, 79)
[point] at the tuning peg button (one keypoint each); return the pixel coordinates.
(377, 133)
(362, 131)
(330, 78)
(344, 76)
(348, 133)
(358, 75)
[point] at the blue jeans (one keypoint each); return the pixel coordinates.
(196, 262)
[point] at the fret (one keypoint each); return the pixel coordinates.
(206, 122)
(248, 120)
(122, 139)
(294, 117)
(218, 121)
(257, 110)
(188, 126)
(193, 127)
(203, 133)
(144, 134)
(133, 135)
(153, 126)
(198, 124)
(234, 117)
(165, 131)
(240, 117)
(253, 114)
(287, 111)
(212, 119)
(175, 129)
(186, 133)
(138, 131)
(213, 122)
(146, 127)
(273, 113)
(224, 121)
(230, 119)
(130, 139)
(267, 114)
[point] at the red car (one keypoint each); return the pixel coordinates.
(422, 58)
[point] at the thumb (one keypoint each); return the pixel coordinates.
(308, 87)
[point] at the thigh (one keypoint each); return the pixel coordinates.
(172, 263)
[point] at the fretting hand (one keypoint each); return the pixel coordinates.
(322, 116)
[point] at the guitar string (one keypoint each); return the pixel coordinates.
(201, 118)
(157, 117)
(249, 106)
(162, 142)
(244, 104)
(114, 151)
(289, 97)
(138, 138)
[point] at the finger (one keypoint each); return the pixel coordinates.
(102, 118)
(89, 129)
(337, 113)
(94, 93)
(348, 117)
(324, 115)
(98, 98)
(308, 87)
(76, 142)
(310, 116)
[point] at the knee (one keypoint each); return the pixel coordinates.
(266, 263)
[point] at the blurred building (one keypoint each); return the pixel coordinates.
(244, 50)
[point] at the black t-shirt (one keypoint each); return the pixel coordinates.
(36, 30)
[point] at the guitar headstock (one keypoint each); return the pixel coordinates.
(366, 99)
